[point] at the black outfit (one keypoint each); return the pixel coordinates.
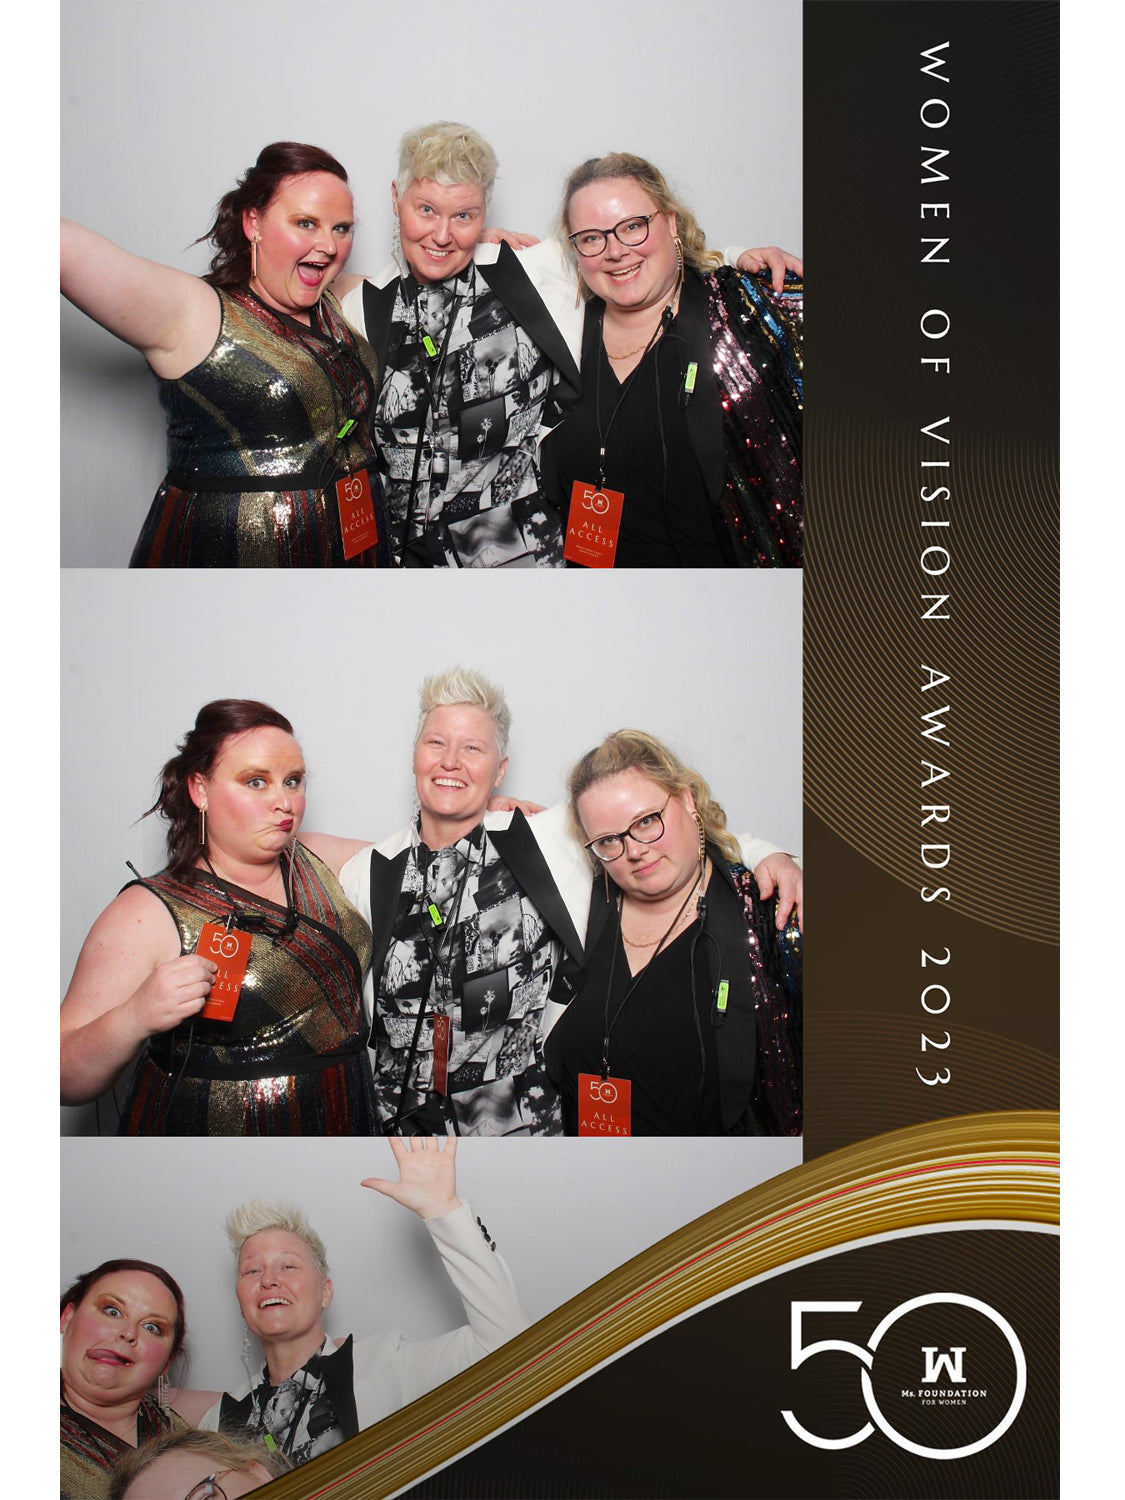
(737, 1072)
(711, 475)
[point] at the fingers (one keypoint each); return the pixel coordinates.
(380, 1184)
(766, 886)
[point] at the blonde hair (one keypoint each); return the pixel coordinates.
(256, 1217)
(633, 750)
(651, 179)
(464, 685)
(226, 1452)
(446, 152)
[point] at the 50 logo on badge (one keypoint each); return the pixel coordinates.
(951, 1410)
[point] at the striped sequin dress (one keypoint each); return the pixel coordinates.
(293, 1061)
(254, 446)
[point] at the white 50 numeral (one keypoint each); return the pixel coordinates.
(866, 1354)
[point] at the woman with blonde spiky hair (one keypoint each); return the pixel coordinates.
(479, 925)
(313, 1391)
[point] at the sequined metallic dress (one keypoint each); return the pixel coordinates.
(90, 1453)
(293, 1061)
(695, 1068)
(254, 451)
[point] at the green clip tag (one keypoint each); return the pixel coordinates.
(428, 345)
(347, 427)
(721, 997)
(269, 1442)
(435, 915)
(689, 378)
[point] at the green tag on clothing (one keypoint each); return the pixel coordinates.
(721, 997)
(435, 915)
(347, 427)
(689, 378)
(429, 346)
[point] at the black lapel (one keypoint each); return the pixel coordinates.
(704, 409)
(601, 905)
(339, 1381)
(513, 286)
(516, 846)
(386, 887)
(234, 1414)
(378, 309)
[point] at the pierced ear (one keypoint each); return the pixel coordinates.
(394, 198)
(197, 789)
(687, 799)
(250, 223)
(67, 1314)
(672, 225)
(326, 1298)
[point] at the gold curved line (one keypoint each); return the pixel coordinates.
(995, 1167)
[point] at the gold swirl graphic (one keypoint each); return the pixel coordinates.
(866, 644)
(994, 1167)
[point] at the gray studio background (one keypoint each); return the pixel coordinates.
(563, 1213)
(166, 102)
(710, 662)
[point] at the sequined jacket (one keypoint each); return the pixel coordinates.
(759, 1040)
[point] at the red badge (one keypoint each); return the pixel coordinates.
(231, 951)
(441, 1053)
(357, 513)
(592, 526)
(604, 1105)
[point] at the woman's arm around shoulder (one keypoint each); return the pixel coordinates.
(130, 982)
(333, 850)
(171, 316)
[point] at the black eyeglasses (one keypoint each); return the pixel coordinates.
(645, 830)
(209, 1488)
(629, 232)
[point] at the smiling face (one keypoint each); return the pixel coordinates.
(255, 796)
(457, 767)
(645, 872)
(439, 226)
(280, 1291)
(630, 278)
(175, 1475)
(304, 239)
(118, 1340)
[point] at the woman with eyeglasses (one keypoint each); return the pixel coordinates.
(689, 1017)
(267, 390)
(123, 1326)
(231, 982)
(685, 447)
(194, 1465)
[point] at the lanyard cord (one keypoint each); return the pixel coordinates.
(309, 1396)
(435, 959)
(429, 404)
(603, 438)
(636, 978)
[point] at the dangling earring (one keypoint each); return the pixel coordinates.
(254, 256)
(246, 1345)
(605, 873)
(702, 836)
(679, 258)
(203, 825)
(162, 1392)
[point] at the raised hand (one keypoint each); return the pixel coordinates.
(427, 1175)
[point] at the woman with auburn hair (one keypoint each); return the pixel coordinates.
(267, 390)
(233, 978)
(685, 447)
(123, 1325)
(688, 1021)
